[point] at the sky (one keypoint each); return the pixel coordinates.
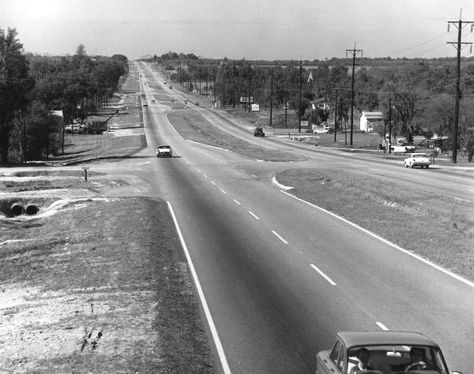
(258, 29)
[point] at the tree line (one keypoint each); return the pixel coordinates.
(420, 92)
(32, 87)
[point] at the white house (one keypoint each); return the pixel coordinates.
(369, 119)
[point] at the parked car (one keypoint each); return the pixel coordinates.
(418, 159)
(164, 151)
(258, 132)
(386, 352)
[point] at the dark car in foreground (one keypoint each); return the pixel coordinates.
(382, 352)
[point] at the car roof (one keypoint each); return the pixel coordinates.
(352, 339)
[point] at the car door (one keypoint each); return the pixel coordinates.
(333, 361)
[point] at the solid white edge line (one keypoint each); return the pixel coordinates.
(207, 312)
(331, 282)
(463, 200)
(279, 236)
(237, 202)
(382, 326)
(254, 215)
(207, 145)
(393, 245)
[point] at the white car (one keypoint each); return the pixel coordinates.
(418, 159)
(164, 151)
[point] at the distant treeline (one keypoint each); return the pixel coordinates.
(420, 91)
(32, 87)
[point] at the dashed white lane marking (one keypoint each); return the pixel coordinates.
(237, 202)
(214, 183)
(254, 215)
(463, 200)
(393, 245)
(330, 281)
(144, 163)
(205, 306)
(204, 175)
(253, 175)
(382, 326)
(279, 236)
(223, 191)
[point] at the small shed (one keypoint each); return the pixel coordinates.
(369, 119)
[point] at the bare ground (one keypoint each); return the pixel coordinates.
(98, 285)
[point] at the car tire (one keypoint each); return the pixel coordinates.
(427, 166)
(411, 166)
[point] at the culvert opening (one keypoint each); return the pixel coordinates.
(17, 209)
(31, 209)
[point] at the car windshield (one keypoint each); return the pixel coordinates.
(419, 155)
(163, 147)
(384, 359)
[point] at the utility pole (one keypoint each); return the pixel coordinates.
(335, 115)
(389, 125)
(223, 84)
(271, 98)
(233, 84)
(458, 45)
(354, 53)
(301, 88)
(250, 83)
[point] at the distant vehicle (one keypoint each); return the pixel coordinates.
(388, 352)
(258, 132)
(164, 151)
(145, 103)
(153, 101)
(403, 148)
(418, 159)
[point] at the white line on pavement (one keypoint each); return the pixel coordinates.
(207, 312)
(279, 236)
(237, 202)
(254, 215)
(214, 183)
(253, 175)
(223, 191)
(393, 245)
(463, 200)
(382, 326)
(204, 175)
(331, 282)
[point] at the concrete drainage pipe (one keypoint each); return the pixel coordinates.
(31, 209)
(17, 209)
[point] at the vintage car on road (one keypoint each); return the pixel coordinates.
(164, 151)
(418, 159)
(382, 352)
(258, 132)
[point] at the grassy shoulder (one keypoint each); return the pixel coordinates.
(100, 286)
(434, 226)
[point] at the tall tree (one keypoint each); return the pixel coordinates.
(14, 86)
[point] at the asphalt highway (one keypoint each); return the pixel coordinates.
(281, 276)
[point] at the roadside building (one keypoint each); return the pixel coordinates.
(369, 120)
